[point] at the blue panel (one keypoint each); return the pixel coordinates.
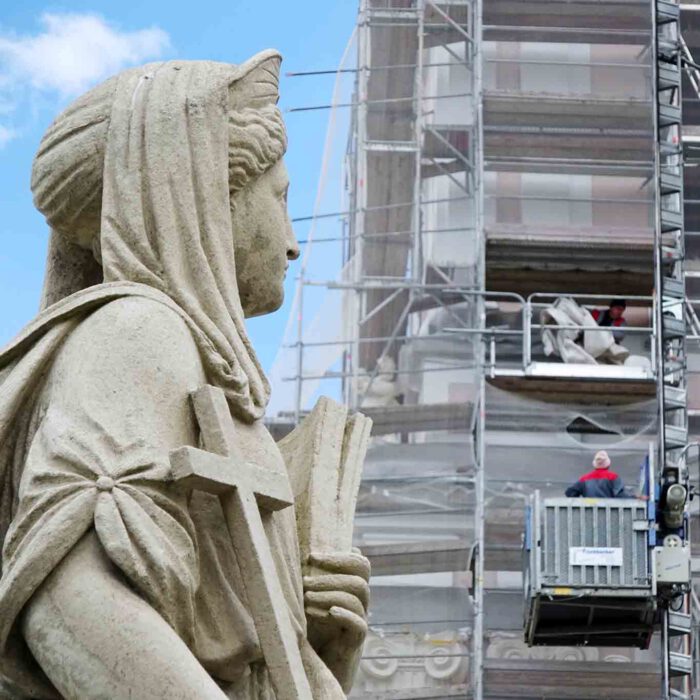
(528, 528)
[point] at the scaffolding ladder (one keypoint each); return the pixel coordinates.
(670, 311)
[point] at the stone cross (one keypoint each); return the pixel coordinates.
(248, 494)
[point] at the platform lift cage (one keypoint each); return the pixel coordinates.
(589, 573)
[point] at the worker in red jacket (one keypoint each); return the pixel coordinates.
(602, 482)
(613, 318)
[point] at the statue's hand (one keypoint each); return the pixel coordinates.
(336, 595)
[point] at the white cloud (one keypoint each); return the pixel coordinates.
(6, 135)
(70, 54)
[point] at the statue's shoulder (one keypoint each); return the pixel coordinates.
(148, 318)
(131, 332)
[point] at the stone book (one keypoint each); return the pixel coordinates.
(324, 455)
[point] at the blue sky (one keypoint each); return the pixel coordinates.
(51, 52)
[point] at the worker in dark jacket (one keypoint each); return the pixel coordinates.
(613, 318)
(602, 482)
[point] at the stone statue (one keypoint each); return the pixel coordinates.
(165, 191)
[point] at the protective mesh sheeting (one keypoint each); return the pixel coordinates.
(316, 317)
(415, 520)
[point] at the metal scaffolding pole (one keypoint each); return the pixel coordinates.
(478, 161)
(357, 230)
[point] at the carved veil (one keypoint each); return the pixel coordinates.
(150, 177)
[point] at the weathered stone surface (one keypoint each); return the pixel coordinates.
(166, 194)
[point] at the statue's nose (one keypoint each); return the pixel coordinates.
(293, 251)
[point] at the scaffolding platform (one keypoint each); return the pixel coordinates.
(598, 373)
(584, 383)
(634, 275)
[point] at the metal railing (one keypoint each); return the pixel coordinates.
(492, 336)
(531, 305)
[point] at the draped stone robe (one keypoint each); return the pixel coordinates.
(95, 396)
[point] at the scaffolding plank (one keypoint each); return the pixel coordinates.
(417, 557)
(577, 680)
(454, 691)
(521, 107)
(411, 418)
(571, 35)
(584, 390)
(629, 14)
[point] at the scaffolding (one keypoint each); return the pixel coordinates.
(504, 157)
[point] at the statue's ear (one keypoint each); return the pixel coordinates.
(257, 82)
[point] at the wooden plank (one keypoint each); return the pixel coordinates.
(411, 418)
(417, 557)
(583, 390)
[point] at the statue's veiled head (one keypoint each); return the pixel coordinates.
(131, 180)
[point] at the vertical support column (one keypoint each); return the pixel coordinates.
(474, 50)
(360, 198)
(477, 665)
(665, 675)
(416, 272)
(658, 348)
(669, 300)
(670, 248)
(417, 264)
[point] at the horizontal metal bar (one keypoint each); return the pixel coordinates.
(373, 69)
(548, 295)
(442, 479)
(418, 622)
(488, 332)
(625, 329)
(595, 131)
(433, 336)
(466, 64)
(387, 100)
(413, 512)
(380, 207)
(557, 63)
(407, 284)
(404, 237)
(552, 198)
(569, 30)
(532, 160)
(343, 375)
(427, 655)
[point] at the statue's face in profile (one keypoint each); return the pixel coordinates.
(264, 241)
